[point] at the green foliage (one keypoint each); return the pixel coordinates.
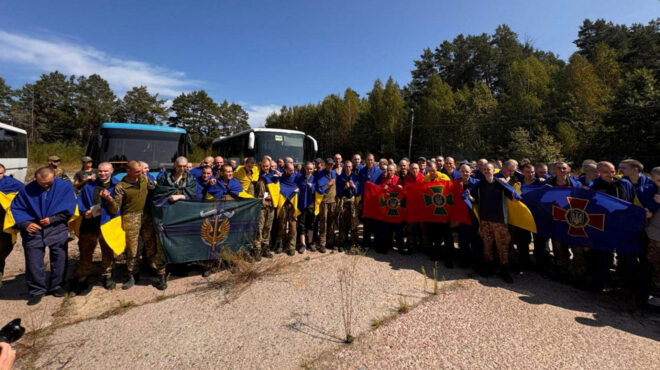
(139, 106)
(540, 148)
(5, 101)
(38, 153)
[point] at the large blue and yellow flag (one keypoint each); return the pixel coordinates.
(201, 230)
(31, 204)
(287, 191)
(9, 187)
(322, 179)
(580, 217)
(111, 228)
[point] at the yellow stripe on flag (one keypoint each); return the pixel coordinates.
(245, 195)
(294, 201)
(274, 190)
(75, 221)
(318, 198)
(520, 216)
(5, 202)
(114, 235)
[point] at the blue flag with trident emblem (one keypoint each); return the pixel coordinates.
(580, 217)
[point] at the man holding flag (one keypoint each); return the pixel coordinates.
(490, 194)
(89, 206)
(347, 183)
(130, 197)
(306, 220)
(369, 173)
(287, 212)
(439, 236)
(266, 189)
(41, 211)
(9, 187)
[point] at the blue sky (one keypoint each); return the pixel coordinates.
(264, 54)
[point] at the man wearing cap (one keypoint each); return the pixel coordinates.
(86, 173)
(421, 161)
(54, 163)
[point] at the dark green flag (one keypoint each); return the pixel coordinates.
(199, 230)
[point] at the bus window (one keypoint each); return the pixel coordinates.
(280, 145)
(12, 144)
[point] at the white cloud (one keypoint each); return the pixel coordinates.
(69, 58)
(259, 113)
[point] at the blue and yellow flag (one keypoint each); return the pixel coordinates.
(288, 187)
(242, 176)
(580, 217)
(9, 187)
(31, 204)
(111, 228)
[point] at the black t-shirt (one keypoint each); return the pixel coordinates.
(491, 206)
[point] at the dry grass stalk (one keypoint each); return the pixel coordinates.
(346, 280)
(435, 279)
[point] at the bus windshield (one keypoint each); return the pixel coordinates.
(155, 148)
(280, 145)
(12, 144)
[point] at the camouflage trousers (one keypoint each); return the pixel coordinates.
(131, 223)
(6, 247)
(153, 249)
(497, 233)
(87, 244)
(264, 229)
(347, 219)
(327, 220)
(286, 233)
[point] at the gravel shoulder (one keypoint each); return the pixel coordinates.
(287, 313)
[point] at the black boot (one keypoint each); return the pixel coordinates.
(504, 273)
(108, 283)
(130, 282)
(162, 282)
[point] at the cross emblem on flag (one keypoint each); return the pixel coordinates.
(438, 200)
(577, 217)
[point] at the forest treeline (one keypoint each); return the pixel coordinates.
(68, 109)
(498, 97)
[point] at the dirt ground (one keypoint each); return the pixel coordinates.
(287, 313)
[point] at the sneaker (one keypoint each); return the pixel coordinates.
(59, 292)
(291, 252)
(301, 249)
(34, 299)
(108, 283)
(321, 249)
(129, 283)
(312, 247)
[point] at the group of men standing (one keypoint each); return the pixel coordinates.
(316, 206)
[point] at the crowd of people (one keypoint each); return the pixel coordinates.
(326, 214)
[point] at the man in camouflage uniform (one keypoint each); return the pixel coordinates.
(130, 198)
(262, 241)
(326, 186)
(286, 216)
(54, 163)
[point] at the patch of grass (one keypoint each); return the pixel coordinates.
(118, 310)
(403, 307)
(307, 258)
(304, 364)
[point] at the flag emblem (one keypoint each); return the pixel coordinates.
(438, 200)
(577, 217)
(392, 202)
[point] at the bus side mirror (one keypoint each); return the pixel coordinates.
(315, 145)
(251, 141)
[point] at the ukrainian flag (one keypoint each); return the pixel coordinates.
(9, 187)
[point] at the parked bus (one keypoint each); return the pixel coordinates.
(13, 151)
(257, 142)
(119, 143)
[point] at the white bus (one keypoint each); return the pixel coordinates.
(257, 142)
(13, 151)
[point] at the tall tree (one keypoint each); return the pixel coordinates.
(94, 101)
(198, 114)
(54, 112)
(139, 106)
(232, 118)
(5, 102)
